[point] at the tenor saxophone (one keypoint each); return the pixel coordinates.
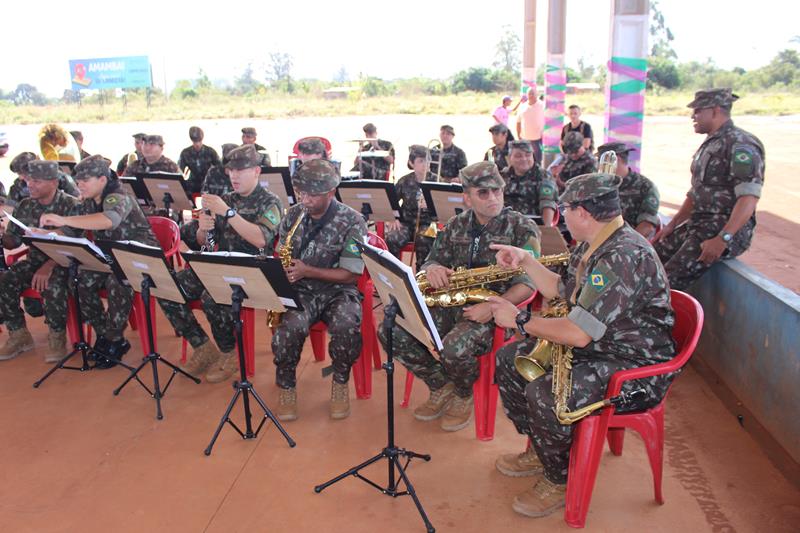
(285, 255)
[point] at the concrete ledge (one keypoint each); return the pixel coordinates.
(751, 341)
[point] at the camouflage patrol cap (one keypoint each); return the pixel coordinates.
(226, 150)
(19, 165)
(573, 142)
(712, 98)
(154, 139)
(311, 145)
(249, 131)
(499, 128)
(93, 166)
(617, 148)
(523, 145)
(316, 176)
(448, 128)
(139, 136)
(483, 174)
(245, 156)
(196, 134)
(415, 151)
(601, 190)
(43, 170)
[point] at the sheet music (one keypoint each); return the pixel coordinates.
(16, 221)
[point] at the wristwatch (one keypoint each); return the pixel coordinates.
(230, 213)
(725, 236)
(522, 318)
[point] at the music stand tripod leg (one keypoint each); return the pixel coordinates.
(244, 387)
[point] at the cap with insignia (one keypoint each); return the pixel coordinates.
(311, 145)
(616, 147)
(19, 165)
(154, 139)
(43, 170)
(481, 175)
(712, 98)
(415, 151)
(523, 145)
(448, 128)
(93, 166)
(317, 176)
(600, 189)
(573, 142)
(251, 132)
(244, 156)
(196, 134)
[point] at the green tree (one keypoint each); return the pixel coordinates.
(27, 94)
(279, 71)
(202, 83)
(507, 55)
(662, 72)
(661, 35)
(246, 83)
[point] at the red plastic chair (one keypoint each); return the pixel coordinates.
(485, 390)
(370, 348)
(592, 432)
(169, 237)
(248, 335)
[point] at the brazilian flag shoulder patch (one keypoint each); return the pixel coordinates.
(111, 199)
(272, 215)
(352, 248)
(532, 248)
(598, 281)
(742, 164)
(547, 190)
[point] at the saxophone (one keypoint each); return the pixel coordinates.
(285, 255)
(469, 285)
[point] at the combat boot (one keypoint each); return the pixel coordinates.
(19, 341)
(225, 368)
(202, 358)
(287, 404)
(436, 404)
(458, 413)
(543, 499)
(522, 464)
(57, 346)
(340, 400)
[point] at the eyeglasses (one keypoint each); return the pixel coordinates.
(563, 206)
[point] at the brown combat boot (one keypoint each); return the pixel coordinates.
(541, 500)
(458, 413)
(57, 346)
(202, 358)
(522, 464)
(226, 367)
(340, 400)
(436, 404)
(287, 405)
(19, 341)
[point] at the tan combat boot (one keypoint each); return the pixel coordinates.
(436, 404)
(522, 464)
(202, 358)
(19, 341)
(287, 404)
(226, 367)
(57, 346)
(458, 413)
(541, 500)
(340, 400)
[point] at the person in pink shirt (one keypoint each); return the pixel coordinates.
(530, 123)
(500, 115)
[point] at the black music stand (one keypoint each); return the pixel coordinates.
(233, 278)
(144, 268)
(278, 181)
(376, 200)
(134, 186)
(72, 253)
(443, 200)
(399, 292)
(167, 189)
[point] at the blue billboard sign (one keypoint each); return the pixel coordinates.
(110, 73)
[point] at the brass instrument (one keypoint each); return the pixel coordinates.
(435, 144)
(132, 158)
(285, 255)
(468, 285)
(607, 163)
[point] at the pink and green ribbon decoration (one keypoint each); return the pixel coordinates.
(556, 91)
(625, 97)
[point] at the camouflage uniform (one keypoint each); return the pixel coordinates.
(325, 243)
(585, 164)
(141, 166)
(260, 207)
(453, 160)
(199, 163)
(622, 302)
(728, 165)
(375, 168)
(19, 275)
(409, 190)
(498, 155)
(19, 189)
(530, 193)
(463, 243)
(638, 196)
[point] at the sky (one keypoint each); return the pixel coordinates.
(371, 37)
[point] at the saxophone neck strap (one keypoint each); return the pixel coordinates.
(606, 232)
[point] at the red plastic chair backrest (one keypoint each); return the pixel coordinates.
(167, 233)
(324, 141)
(685, 332)
(556, 218)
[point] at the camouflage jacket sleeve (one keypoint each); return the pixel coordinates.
(269, 220)
(649, 202)
(441, 251)
(350, 256)
(116, 208)
(747, 165)
(548, 192)
(527, 237)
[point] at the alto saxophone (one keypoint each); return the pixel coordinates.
(285, 255)
(469, 285)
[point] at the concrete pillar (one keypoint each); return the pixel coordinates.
(529, 47)
(555, 78)
(627, 74)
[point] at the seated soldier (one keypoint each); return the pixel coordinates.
(398, 233)
(38, 271)
(19, 188)
(468, 331)
(638, 196)
(619, 317)
(249, 136)
(110, 214)
(374, 168)
(530, 189)
(501, 137)
(198, 158)
(320, 234)
(577, 161)
(245, 220)
(153, 158)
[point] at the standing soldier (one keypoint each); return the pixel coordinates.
(453, 158)
(153, 158)
(530, 189)
(320, 234)
(467, 332)
(198, 158)
(718, 216)
(38, 271)
(246, 221)
(577, 160)
(620, 317)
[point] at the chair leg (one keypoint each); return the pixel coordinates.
(584, 458)
(319, 342)
(183, 350)
(409, 386)
(480, 393)
(616, 437)
(650, 426)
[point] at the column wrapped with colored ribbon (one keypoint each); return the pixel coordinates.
(555, 94)
(625, 110)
